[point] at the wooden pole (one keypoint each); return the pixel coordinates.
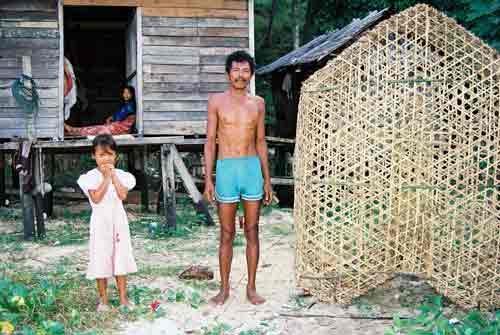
(144, 189)
(26, 198)
(168, 186)
(49, 197)
(3, 196)
(38, 192)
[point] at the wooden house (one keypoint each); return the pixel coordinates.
(172, 52)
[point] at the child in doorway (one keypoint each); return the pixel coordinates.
(110, 249)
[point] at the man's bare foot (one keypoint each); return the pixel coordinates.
(254, 298)
(220, 298)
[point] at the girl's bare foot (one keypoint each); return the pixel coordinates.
(254, 298)
(220, 298)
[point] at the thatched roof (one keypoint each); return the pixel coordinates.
(324, 45)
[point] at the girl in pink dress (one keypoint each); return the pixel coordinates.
(110, 249)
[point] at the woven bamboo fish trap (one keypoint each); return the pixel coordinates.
(397, 164)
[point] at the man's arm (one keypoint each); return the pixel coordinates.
(261, 147)
(209, 149)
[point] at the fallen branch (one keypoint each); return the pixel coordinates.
(352, 317)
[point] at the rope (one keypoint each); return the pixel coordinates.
(28, 99)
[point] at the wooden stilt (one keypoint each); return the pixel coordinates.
(200, 203)
(3, 196)
(144, 189)
(49, 197)
(167, 176)
(38, 193)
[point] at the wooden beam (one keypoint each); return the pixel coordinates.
(196, 12)
(140, 83)
(3, 196)
(251, 39)
(168, 193)
(144, 188)
(60, 127)
(38, 196)
(190, 186)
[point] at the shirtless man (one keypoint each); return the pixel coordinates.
(242, 172)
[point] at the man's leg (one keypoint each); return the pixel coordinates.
(252, 211)
(227, 216)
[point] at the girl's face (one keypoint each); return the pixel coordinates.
(127, 95)
(104, 156)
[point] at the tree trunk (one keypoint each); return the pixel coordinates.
(268, 39)
(306, 29)
(296, 25)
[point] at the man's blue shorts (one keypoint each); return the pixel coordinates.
(237, 178)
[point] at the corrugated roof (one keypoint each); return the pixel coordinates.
(324, 45)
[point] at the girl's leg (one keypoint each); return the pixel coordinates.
(102, 288)
(121, 283)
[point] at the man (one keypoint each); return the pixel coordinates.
(236, 119)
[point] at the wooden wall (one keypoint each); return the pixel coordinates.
(184, 49)
(29, 28)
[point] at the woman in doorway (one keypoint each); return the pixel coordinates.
(119, 123)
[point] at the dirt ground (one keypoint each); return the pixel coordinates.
(276, 282)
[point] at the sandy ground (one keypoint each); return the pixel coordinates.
(275, 280)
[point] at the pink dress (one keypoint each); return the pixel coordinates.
(110, 249)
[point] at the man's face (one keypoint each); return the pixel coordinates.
(126, 94)
(240, 74)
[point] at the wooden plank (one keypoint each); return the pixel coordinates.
(213, 78)
(174, 106)
(26, 43)
(176, 116)
(43, 93)
(182, 69)
(14, 51)
(223, 32)
(218, 51)
(171, 59)
(28, 33)
(28, 5)
(174, 78)
(168, 31)
(165, 96)
(213, 87)
(11, 102)
(169, 50)
(213, 69)
(14, 123)
(175, 127)
(38, 73)
(213, 4)
(213, 60)
(236, 42)
(173, 41)
(189, 185)
(174, 22)
(13, 15)
(18, 112)
(221, 23)
(196, 12)
(120, 3)
(29, 24)
(170, 87)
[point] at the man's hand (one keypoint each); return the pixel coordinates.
(209, 192)
(268, 193)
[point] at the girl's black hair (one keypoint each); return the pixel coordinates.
(131, 89)
(104, 141)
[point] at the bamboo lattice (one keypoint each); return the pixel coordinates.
(397, 164)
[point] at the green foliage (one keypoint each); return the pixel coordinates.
(217, 329)
(432, 320)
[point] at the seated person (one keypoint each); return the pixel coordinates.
(119, 123)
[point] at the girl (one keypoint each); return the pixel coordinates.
(110, 250)
(119, 123)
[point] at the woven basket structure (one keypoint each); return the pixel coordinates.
(397, 163)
